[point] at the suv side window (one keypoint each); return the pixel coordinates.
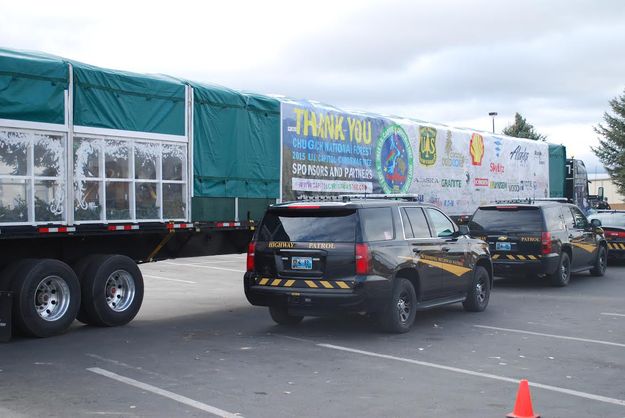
(580, 220)
(377, 224)
(553, 218)
(415, 224)
(567, 215)
(442, 226)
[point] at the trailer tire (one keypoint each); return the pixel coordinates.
(79, 269)
(46, 296)
(112, 290)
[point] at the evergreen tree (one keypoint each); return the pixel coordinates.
(611, 149)
(521, 129)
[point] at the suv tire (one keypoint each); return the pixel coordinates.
(401, 311)
(601, 262)
(562, 275)
(479, 293)
(281, 316)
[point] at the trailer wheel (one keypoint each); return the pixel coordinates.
(112, 290)
(46, 297)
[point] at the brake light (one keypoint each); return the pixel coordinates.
(251, 250)
(304, 207)
(615, 234)
(507, 207)
(363, 259)
(546, 243)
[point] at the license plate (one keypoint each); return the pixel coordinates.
(503, 246)
(301, 263)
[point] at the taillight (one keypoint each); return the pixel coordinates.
(546, 242)
(251, 249)
(363, 259)
(615, 234)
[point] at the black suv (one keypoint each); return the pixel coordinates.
(386, 257)
(546, 238)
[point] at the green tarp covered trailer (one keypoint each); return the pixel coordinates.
(144, 148)
(557, 170)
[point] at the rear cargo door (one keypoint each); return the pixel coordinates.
(307, 248)
(513, 232)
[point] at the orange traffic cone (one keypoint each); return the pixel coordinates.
(523, 404)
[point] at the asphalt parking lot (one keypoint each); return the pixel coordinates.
(197, 348)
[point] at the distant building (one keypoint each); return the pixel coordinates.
(616, 200)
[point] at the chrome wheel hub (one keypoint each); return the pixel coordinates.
(52, 298)
(119, 290)
(403, 307)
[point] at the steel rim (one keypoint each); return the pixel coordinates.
(564, 270)
(52, 298)
(480, 290)
(119, 290)
(603, 260)
(404, 306)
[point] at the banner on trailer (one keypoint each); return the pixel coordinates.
(326, 151)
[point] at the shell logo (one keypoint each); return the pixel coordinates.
(476, 148)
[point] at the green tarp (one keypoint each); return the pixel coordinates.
(32, 86)
(120, 100)
(236, 143)
(557, 170)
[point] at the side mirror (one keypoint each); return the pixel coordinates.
(596, 223)
(463, 230)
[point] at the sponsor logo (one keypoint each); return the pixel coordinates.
(448, 203)
(427, 180)
(480, 182)
(539, 156)
(514, 187)
(476, 148)
(427, 146)
(452, 158)
(393, 160)
(499, 185)
(451, 183)
(497, 168)
(520, 154)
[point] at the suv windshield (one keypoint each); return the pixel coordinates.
(309, 226)
(507, 219)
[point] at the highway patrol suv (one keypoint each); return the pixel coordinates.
(382, 256)
(546, 238)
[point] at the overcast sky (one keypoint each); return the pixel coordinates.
(558, 63)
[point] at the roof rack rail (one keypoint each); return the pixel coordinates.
(531, 200)
(398, 196)
(527, 201)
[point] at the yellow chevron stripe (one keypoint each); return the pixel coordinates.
(342, 285)
(495, 256)
(452, 268)
(521, 257)
(276, 282)
(622, 246)
(263, 282)
(586, 247)
(532, 257)
(511, 257)
(611, 246)
(289, 283)
(325, 284)
(311, 284)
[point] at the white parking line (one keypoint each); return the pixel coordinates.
(165, 393)
(201, 266)
(612, 314)
(562, 337)
(571, 392)
(151, 276)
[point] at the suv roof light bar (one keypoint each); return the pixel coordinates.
(398, 196)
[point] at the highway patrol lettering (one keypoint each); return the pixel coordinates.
(281, 244)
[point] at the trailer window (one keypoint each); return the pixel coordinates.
(127, 180)
(32, 177)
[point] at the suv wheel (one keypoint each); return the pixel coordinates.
(281, 316)
(400, 314)
(479, 293)
(601, 263)
(562, 275)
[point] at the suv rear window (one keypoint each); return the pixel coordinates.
(309, 226)
(507, 219)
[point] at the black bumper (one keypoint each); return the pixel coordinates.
(546, 264)
(366, 294)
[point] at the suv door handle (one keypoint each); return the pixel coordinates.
(416, 250)
(445, 249)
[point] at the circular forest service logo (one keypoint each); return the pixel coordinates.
(393, 160)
